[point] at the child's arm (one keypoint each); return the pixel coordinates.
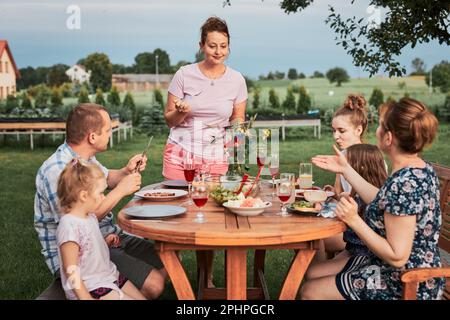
(69, 256)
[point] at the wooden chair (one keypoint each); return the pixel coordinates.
(412, 277)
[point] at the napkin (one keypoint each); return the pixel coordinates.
(328, 210)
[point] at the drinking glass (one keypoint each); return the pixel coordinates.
(291, 177)
(274, 169)
(199, 196)
(305, 176)
(189, 172)
(284, 193)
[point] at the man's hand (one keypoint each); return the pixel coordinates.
(136, 160)
(129, 184)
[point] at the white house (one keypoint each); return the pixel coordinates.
(78, 73)
(8, 71)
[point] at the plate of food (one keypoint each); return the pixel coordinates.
(304, 207)
(161, 194)
(247, 206)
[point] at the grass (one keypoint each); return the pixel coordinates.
(23, 273)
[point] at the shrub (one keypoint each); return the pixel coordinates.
(152, 121)
(158, 97)
(83, 96)
(289, 102)
(256, 97)
(113, 97)
(377, 98)
(304, 101)
(99, 98)
(274, 101)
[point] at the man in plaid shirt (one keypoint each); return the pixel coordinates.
(88, 130)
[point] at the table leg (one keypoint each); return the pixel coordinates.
(295, 274)
(177, 275)
(236, 274)
(260, 256)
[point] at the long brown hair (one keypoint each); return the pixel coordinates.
(355, 108)
(368, 161)
(410, 121)
(76, 177)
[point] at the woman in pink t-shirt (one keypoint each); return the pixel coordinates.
(203, 99)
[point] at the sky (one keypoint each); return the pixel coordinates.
(263, 37)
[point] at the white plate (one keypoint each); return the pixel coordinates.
(299, 193)
(175, 183)
(154, 211)
(248, 211)
(146, 194)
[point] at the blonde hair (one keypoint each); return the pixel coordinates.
(410, 121)
(355, 107)
(75, 178)
(368, 161)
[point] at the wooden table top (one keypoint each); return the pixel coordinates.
(223, 228)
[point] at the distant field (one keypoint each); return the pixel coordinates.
(319, 89)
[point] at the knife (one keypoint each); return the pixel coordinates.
(138, 164)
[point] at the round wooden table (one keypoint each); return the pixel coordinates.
(235, 234)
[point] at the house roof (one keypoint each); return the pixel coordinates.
(4, 46)
(144, 77)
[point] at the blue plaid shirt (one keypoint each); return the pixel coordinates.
(46, 206)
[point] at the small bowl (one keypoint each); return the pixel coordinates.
(246, 212)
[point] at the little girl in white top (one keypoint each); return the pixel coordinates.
(87, 271)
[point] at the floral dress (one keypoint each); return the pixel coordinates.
(353, 244)
(409, 191)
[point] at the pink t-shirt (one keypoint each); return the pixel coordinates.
(94, 263)
(211, 102)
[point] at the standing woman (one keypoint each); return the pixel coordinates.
(402, 221)
(203, 99)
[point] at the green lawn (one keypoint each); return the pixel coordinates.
(23, 273)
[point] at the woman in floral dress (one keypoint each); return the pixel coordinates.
(402, 221)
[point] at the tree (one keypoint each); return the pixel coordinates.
(11, 103)
(304, 101)
(249, 83)
(441, 76)
(158, 97)
(101, 71)
(301, 75)
(318, 74)
(274, 101)
(418, 67)
(292, 74)
(256, 97)
(279, 75)
(375, 44)
(199, 56)
(26, 102)
(179, 64)
(128, 102)
(83, 96)
(289, 101)
(113, 97)
(377, 98)
(337, 75)
(447, 106)
(145, 62)
(56, 100)
(118, 69)
(270, 76)
(57, 75)
(42, 95)
(99, 98)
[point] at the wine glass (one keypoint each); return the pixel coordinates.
(261, 156)
(274, 169)
(189, 172)
(284, 193)
(199, 196)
